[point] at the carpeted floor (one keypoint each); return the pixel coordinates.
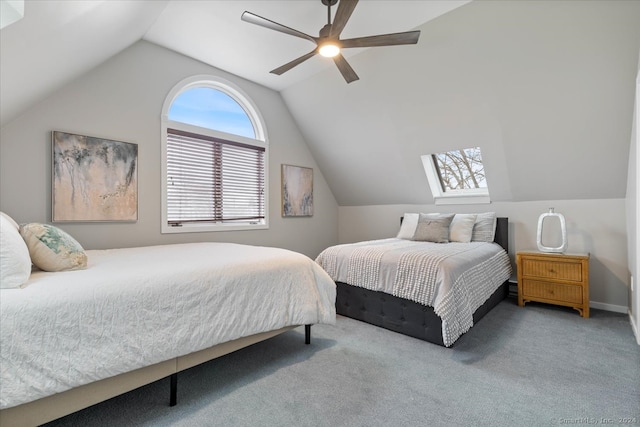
(534, 366)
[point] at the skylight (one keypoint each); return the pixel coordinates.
(457, 176)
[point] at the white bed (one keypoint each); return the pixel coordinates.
(153, 311)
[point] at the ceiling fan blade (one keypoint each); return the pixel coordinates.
(345, 9)
(345, 69)
(409, 37)
(267, 23)
(290, 65)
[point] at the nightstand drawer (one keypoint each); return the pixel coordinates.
(552, 270)
(552, 291)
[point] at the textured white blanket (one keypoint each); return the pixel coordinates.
(454, 278)
(135, 307)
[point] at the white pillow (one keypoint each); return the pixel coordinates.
(408, 226)
(52, 249)
(461, 228)
(485, 227)
(15, 263)
(11, 221)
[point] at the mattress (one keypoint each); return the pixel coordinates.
(454, 278)
(138, 306)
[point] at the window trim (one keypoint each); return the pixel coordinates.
(261, 140)
(467, 196)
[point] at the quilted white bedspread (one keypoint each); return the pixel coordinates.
(454, 278)
(135, 307)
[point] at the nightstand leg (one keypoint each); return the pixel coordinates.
(520, 294)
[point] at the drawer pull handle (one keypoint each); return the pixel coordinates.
(551, 270)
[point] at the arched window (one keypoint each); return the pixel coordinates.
(215, 159)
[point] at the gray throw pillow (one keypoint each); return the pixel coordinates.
(432, 228)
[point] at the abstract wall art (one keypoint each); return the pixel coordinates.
(94, 179)
(297, 191)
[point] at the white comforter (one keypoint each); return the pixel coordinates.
(135, 307)
(454, 278)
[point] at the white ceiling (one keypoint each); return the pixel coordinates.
(59, 40)
(251, 51)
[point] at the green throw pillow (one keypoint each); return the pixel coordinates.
(52, 249)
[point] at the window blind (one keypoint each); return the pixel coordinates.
(213, 180)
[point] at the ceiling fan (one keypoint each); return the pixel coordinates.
(328, 43)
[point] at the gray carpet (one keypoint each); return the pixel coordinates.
(534, 366)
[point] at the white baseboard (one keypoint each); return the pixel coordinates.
(609, 307)
(619, 309)
(634, 327)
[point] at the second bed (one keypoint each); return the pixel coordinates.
(431, 291)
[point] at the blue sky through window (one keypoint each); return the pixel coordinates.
(212, 109)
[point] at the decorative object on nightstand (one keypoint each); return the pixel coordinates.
(550, 216)
(554, 278)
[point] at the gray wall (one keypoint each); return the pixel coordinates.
(597, 227)
(633, 215)
(122, 99)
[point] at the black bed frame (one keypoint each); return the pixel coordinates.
(173, 381)
(409, 317)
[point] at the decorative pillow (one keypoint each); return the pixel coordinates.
(485, 227)
(15, 264)
(433, 228)
(408, 226)
(461, 228)
(52, 249)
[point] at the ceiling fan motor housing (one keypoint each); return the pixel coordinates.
(325, 31)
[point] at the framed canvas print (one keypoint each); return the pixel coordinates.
(297, 191)
(93, 179)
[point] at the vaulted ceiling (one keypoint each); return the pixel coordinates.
(546, 89)
(59, 40)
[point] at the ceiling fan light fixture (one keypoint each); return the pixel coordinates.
(329, 49)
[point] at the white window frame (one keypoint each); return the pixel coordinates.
(261, 140)
(467, 196)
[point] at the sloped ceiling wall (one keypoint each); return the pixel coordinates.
(58, 41)
(544, 88)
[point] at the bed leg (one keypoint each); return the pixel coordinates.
(307, 334)
(173, 394)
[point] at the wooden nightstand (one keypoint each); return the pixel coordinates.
(552, 278)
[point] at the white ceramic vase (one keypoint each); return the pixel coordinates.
(563, 230)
